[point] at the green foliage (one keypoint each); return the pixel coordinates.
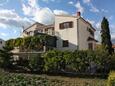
(111, 79)
(10, 43)
(31, 43)
(15, 79)
(105, 35)
(53, 60)
(112, 62)
(79, 61)
(35, 62)
(6, 57)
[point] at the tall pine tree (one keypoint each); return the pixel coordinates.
(105, 35)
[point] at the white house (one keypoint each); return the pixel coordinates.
(2, 43)
(72, 32)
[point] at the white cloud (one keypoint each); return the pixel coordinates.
(14, 31)
(91, 21)
(11, 18)
(79, 7)
(3, 25)
(3, 34)
(32, 3)
(105, 11)
(2, 2)
(48, 1)
(60, 12)
(112, 27)
(98, 29)
(8, 13)
(86, 1)
(45, 16)
(30, 8)
(113, 36)
(70, 2)
(37, 13)
(94, 9)
(26, 9)
(98, 25)
(111, 17)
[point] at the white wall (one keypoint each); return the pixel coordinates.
(38, 27)
(84, 34)
(69, 34)
(32, 28)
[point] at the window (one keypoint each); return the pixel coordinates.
(90, 46)
(65, 43)
(66, 25)
(26, 32)
(38, 31)
(31, 33)
(90, 31)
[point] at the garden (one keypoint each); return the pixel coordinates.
(57, 68)
(16, 79)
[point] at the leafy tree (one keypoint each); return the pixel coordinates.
(6, 57)
(105, 35)
(18, 42)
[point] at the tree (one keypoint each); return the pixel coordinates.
(6, 57)
(105, 35)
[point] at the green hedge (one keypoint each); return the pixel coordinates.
(55, 61)
(111, 79)
(98, 61)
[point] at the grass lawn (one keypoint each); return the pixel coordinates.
(15, 79)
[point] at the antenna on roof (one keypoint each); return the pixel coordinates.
(22, 29)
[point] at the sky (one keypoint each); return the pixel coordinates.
(18, 14)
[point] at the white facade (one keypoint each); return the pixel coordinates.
(2, 43)
(84, 34)
(78, 36)
(72, 32)
(69, 34)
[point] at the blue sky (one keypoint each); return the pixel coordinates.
(15, 14)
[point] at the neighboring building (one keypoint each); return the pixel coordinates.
(2, 43)
(72, 32)
(38, 28)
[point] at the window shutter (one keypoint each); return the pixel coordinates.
(70, 24)
(60, 26)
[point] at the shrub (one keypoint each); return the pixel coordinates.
(98, 61)
(6, 57)
(53, 61)
(35, 62)
(112, 62)
(111, 79)
(103, 60)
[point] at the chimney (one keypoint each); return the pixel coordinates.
(78, 13)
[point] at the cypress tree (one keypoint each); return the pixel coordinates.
(105, 35)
